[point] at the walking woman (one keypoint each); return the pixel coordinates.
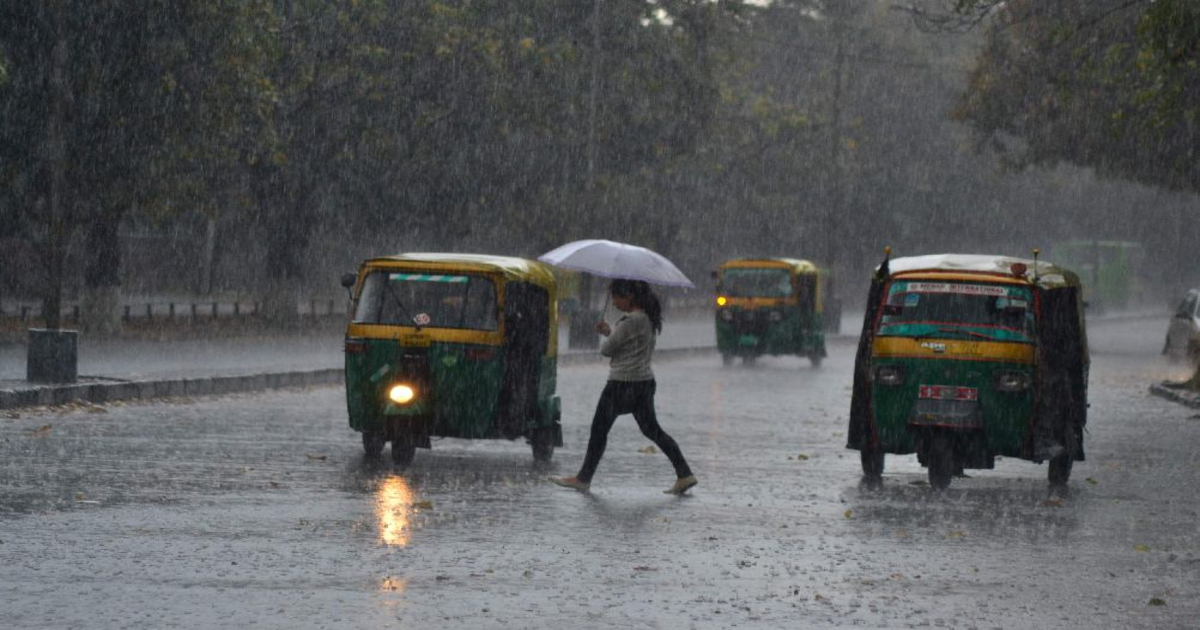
(630, 387)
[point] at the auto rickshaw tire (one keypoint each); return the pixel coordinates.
(815, 358)
(543, 449)
(373, 444)
(1060, 469)
(940, 460)
(872, 463)
(749, 359)
(726, 358)
(403, 452)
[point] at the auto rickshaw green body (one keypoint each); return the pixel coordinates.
(770, 306)
(473, 337)
(964, 358)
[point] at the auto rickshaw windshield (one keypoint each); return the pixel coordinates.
(749, 282)
(920, 308)
(423, 299)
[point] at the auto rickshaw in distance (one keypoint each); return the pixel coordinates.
(964, 358)
(452, 345)
(769, 306)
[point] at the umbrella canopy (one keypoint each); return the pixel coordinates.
(617, 260)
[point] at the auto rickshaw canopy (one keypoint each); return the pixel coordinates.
(1047, 276)
(795, 265)
(510, 268)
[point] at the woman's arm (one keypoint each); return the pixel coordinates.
(620, 334)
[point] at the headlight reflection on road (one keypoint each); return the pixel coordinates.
(392, 584)
(392, 503)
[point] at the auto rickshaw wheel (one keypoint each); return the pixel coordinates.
(940, 459)
(872, 464)
(1060, 469)
(726, 358)
(373, 444)
(815, 358)
(543, 449)
(749, 359)
(403, 452)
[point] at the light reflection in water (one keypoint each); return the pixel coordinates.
(391, 584)
(392, 501)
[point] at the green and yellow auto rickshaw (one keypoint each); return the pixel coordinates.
(769, 306)
(452, 345)
(964, 358)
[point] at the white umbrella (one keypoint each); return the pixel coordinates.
(617, 260)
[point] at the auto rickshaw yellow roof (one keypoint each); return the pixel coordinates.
(1049, 275)
(795, 264)
(510, 267)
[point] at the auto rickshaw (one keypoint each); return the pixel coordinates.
(452, 345)
(769, 306)
(964, 358)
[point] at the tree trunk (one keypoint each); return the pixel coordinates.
(285, 230)
(58, 209)
(100, 308)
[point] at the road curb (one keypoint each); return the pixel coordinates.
(103, 392)
(1184, 397)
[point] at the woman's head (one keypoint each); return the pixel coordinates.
(639, 296)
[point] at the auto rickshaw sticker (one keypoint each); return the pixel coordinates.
(425, 277)
(422, 319)
(380, 373)
(948, 287)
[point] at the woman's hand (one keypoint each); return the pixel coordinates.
(603, 328)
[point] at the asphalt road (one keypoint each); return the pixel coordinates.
(259, 511)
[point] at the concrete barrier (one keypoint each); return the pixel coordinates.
(46, 395)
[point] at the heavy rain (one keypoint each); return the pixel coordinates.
(309, 309)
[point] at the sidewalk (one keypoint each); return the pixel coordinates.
(119, 369)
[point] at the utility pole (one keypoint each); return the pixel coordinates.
(834, 197)
(581, 333)
(590, 182)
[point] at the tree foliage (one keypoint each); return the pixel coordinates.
(1108, 84)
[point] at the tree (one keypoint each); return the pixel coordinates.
(93, 110)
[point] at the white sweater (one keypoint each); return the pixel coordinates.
(630, 347)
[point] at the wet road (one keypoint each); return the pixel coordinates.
(259, 511)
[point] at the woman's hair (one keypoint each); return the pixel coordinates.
(643, 298)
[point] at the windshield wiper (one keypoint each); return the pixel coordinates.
(404, 311)
(929, 335)
(967, 332)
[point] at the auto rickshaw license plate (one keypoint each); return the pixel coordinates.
(414, 341)
(948, 392)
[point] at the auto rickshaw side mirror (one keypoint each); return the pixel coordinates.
(713, 274)
(348, 280)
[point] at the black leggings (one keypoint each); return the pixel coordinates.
(619, 398)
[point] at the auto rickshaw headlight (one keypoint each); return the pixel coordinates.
(402, 394)
(721, 301)
(889, 375)
(1012, 381)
